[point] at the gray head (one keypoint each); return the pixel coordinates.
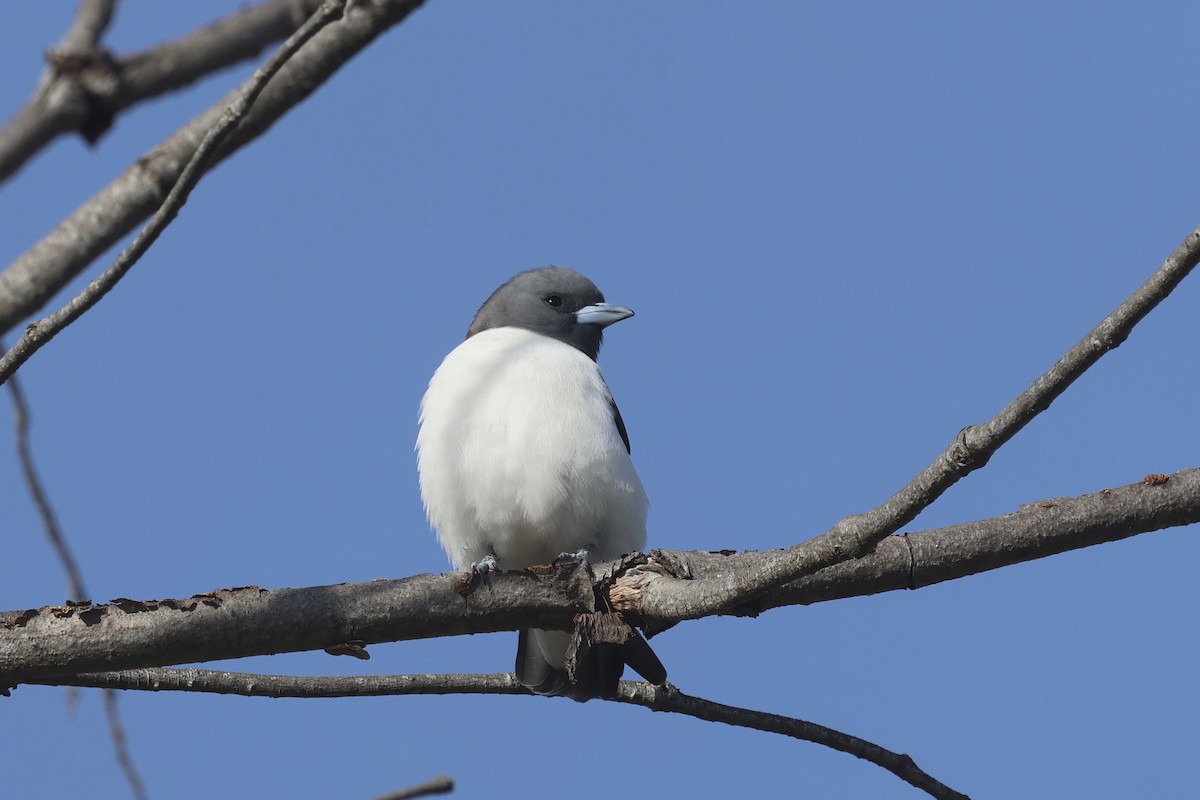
(554, 301)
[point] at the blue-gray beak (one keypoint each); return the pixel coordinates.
(602, 314)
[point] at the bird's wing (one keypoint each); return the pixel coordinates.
(620, 423)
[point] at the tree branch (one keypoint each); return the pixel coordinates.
(116, 731)
(30, 281)
(234, 623)
(440, 785)
(75, 586)
(655, 698)
(85, 88)
(857, 534)
(41, 332)
(239, 37)
(918, 559)
(91, 21)
(660, 698)
(250, 684)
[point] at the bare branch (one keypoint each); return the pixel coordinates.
(249, 684)
(668, 698)
(234, 623)
(918, 559)
(37, 334)
(857, 534)
(91, 20)
(656, 698)
(121, 745)
(30, 281)
(439, 785)
(21, 422)
(84, 88)
(240, 36)
(231, 623)
(76, 590)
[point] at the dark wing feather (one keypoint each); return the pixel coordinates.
(620, 423)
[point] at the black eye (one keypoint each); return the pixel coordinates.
(554, 301)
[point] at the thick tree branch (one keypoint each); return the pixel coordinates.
(231, 623)
(234, 623)
(91, 20)
(239, 37)
(656, 698)
(77, 72)
(84, 88)
(31, 280)
(857, 534)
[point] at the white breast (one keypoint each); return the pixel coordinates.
(518, 452)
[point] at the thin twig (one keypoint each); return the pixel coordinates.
(972, 447)
(39, 333)
(76, 590)
(249, 684)
(121, 745)
(668, 698)
(656, 698)
(443, 784)
(21, 423)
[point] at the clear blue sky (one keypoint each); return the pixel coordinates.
(848, 230)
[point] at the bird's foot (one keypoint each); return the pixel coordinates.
(486, 565)
(478, 573)
(582, 556)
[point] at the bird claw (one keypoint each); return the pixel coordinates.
(485, 566)
(478, 573)
(582, 557)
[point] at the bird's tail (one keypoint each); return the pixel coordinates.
(541, 664)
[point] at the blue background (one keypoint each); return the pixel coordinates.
(848, 230)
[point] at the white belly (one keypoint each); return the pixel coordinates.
(518, 453)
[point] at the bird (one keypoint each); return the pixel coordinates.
(524, 459)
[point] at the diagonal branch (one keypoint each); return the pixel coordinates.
(660, 698)
(924, 558)
(75, 587)
(116, 732)
(442, 784)
(855, 535)
(30, 281)
(655, 698)
(41, 332)
(84, 88)
(87, 28)
(234, 623)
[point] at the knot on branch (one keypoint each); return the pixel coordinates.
(91, 81)
(962, 456)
